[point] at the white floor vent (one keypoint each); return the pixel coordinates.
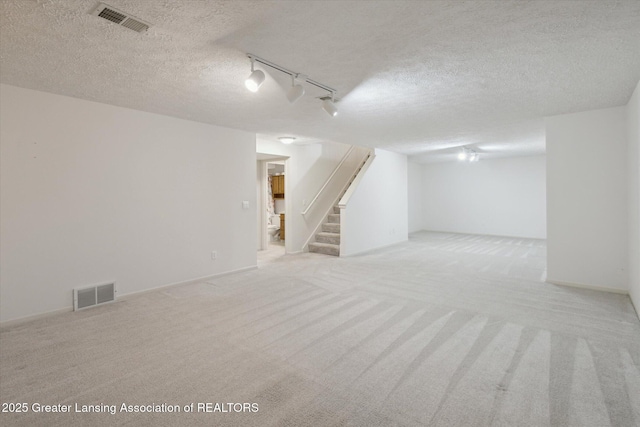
(94, 295)
(121, 18)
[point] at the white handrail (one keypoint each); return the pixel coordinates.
(347, 185)
(344, 158)
(342, 203)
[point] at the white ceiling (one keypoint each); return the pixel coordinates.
(416, 77)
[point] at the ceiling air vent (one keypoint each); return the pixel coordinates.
(121, 18)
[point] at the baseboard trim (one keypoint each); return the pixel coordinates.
(32, 317)
(634, 306)
(478, 234)
(589, 287)
(366, 251)
(190, 281)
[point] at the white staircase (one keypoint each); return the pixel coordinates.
(328, 240)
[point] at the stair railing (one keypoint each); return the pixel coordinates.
(342, 203)
(344, 158)
(366, 161)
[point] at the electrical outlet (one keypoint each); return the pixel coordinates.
(214, 255)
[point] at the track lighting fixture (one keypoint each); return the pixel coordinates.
(286, 139)
(296, 91)
(329, 106)
(255, 79)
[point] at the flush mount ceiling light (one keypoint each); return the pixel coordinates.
(255, 79)
(287, 139)
(297, 90)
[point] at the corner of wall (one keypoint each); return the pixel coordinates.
(587, 203)
(414, 198)
(633, 170)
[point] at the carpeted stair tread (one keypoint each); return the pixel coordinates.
(324, 237)
(331, 228)
(324, 248)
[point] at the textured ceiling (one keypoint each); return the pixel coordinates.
(421, 78)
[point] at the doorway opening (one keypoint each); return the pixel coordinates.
(273, 205)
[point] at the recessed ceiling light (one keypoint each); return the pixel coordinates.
(287, 139)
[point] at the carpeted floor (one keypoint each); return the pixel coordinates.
(444, 330)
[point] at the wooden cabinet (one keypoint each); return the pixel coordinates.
(281, 226)
(277, 186)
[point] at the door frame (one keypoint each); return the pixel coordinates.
(262, 200)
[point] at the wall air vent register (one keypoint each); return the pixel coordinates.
(94, 295)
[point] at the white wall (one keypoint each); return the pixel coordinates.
(503, 197)
(377, 213)
(92, 192)
(633, 123)
(260, 172)
(414, 190)
(279, 205)
(587, 211)
(307, 169)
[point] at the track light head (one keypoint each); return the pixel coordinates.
(294, 93)
(255, 80)
(329, 106)
(462, 155)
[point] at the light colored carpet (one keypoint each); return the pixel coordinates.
(444, 330)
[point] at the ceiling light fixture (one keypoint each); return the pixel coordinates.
(287, 139)
(329, 106)
(468, 155)
(297, 90)
(255, 80)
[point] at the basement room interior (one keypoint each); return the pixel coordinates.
(320, 213)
